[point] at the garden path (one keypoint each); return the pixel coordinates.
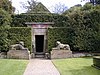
(41, 67)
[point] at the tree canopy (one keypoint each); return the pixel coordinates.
(93, 1)
(4, 23)
(86, 25)
(5, 20)
(7, 6)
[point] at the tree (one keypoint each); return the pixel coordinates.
(97, 1)
(29, 5)
(93, 1)
(5, 19)
(86, 25)
(74, 9)
(7, 6)
(59, 8)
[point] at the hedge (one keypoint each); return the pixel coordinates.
(81, 29)
(83, 40)
(64, 35)
(4, 42)
(17, 34)
(19, 20)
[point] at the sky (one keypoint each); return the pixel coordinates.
(48, 3)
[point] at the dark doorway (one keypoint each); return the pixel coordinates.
(39, 43)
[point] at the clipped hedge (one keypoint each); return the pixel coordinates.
(16, 34)
(83, 40)
(19, 20)
(64, 35)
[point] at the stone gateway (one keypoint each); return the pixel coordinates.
(39, 38)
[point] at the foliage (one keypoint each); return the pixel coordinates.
(86, 25)
(94, 2)
(76, 66)
(19, 20)
(29, 5)
(82, 26)
(12, 67)
(6, 5)
(17, 34)
(64, 35)
(75, 8)
(10, 36)
(5, 18)
(4, 42)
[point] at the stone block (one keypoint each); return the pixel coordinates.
(61, 54)
(18, 54)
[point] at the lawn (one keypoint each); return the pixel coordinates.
(76, 66)
(12, 67)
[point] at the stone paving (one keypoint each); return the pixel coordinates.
(41, 67)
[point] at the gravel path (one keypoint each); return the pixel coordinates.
(41, 67)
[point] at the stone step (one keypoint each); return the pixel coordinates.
(39, 56)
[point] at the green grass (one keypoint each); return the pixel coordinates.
(76, 66)
(12, 67)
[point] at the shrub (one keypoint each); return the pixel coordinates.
(5, 20)
(64, 35)
(4, 42)
(17, 34)
(79, 40)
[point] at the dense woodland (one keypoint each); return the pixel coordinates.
(82, 24)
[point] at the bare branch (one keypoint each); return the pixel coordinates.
(59, 8)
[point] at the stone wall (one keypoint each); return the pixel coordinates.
(61, 54)
(18, 54)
